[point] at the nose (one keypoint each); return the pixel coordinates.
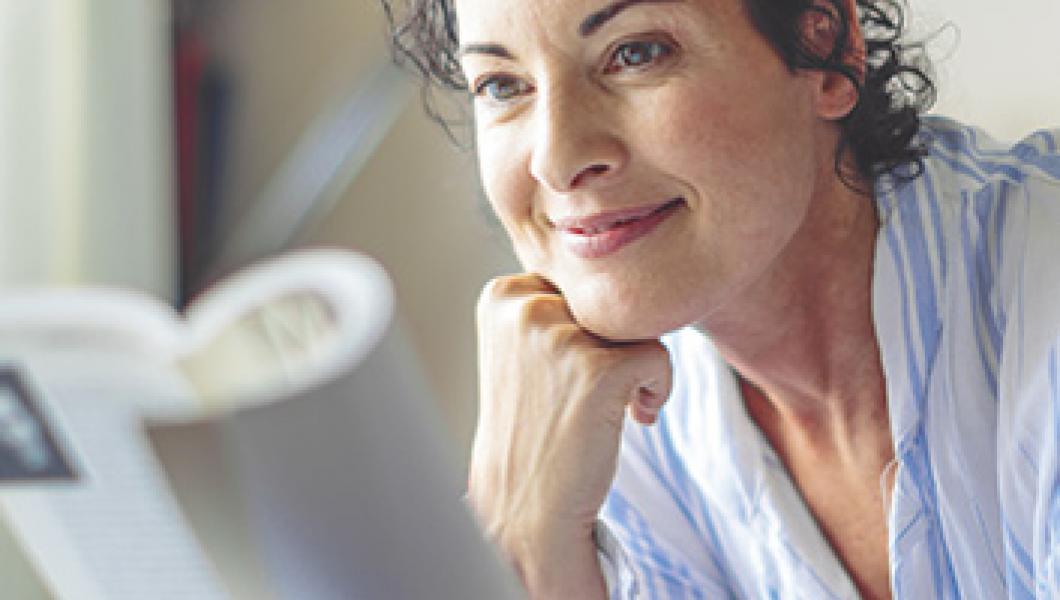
(576, 145)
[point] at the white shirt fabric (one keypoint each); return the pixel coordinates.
(966, 305)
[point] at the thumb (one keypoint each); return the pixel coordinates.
(648, 365)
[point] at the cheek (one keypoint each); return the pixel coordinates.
(726, 124)
(510, 192)
(734, 146)
(499, 172)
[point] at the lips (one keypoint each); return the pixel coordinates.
(602, 234)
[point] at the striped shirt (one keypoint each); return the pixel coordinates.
(966, 305)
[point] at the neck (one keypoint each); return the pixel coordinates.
(803, 340)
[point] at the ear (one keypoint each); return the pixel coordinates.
(835, 94)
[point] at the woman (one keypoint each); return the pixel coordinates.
(832, 322)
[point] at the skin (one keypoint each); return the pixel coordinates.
(768, 252)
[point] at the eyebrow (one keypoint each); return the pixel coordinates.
(487, 49)
(597, 20)
(588, 26)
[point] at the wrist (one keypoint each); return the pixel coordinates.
(561, 571)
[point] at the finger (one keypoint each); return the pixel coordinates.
(543, 309)
(647, 365)
(638, 413)
(546, 284)
(519, 284)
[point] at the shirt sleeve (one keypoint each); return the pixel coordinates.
(1050, 580)
(1029, 414)
(1032, 552)
(1047, 544)
(652, 542)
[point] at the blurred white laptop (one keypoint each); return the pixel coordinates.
(290, 449)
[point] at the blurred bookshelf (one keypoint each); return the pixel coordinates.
(277, 107)
(294, 129)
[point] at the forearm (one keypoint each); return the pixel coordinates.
(572, 574)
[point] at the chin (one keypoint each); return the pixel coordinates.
(621, 323)
(626, 304)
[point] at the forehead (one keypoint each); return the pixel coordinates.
(489, 18)
(481, 19)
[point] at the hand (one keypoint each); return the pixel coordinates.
(553, 398)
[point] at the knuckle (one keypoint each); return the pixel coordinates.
(493, 292)
(595, 364)
(506, 286)
(495, 289)
(538, 308)
(561, 337)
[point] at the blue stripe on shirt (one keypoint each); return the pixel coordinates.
(970, 210)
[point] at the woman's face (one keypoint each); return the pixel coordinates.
(652, 158)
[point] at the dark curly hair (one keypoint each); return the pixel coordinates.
(880, 133)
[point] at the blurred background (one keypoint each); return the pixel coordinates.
(159, 144)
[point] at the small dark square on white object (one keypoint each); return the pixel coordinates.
(28, 442)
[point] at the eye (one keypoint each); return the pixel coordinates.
(638, 54)
(501, 88)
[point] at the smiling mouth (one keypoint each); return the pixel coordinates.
(602, 222)
(603, 234)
